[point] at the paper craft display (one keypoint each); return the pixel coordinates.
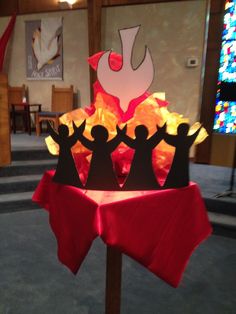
(101, 172)
(66, 170)
(126, 83)
(149, 109)
(124, 144)
(102, 175)
(111, 102)
(178, 175)
(158, 229)
(147, 151)
(141, 175)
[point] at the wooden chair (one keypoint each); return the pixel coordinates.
(62, 102)
(15, 97)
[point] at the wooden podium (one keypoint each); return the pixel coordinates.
(5, 144)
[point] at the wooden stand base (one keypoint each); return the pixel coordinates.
(113, 280)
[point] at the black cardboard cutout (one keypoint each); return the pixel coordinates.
(178, 175)
(141, 175)
(101, 174)
(66, 172)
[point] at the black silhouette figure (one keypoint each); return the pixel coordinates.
(178, 175)
(141, 175)
(66, 172)
(101, 173)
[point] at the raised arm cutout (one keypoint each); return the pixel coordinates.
(66, 172)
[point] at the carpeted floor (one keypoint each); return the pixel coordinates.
(23, 141)
(32, 280)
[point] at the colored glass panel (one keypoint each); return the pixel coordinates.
(225, 111)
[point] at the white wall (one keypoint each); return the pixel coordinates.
(173, 31)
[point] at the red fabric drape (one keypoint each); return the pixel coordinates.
(4, 39)
(159, 229)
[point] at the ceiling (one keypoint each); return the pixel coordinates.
(8, 7)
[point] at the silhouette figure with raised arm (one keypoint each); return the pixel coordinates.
(141, 175)
(101, 172)
(66, 172)
(178, 175)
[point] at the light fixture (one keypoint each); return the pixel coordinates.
(65, 3)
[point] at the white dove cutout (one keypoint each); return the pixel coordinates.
(127, 83)
(45, 44)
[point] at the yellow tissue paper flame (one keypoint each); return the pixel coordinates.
(148, 113)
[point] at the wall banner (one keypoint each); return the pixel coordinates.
(44, 53)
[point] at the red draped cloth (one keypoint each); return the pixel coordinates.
(159, 229)
(4, 39)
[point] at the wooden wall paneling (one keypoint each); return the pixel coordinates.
(134, 2)
(203, 151)
(217, 6)
(5, 146)
(7, 8)
(81, 4)
(214, 36)
(226, 144)
(94, 34)
(29, 6)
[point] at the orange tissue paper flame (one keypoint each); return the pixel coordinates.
(149, 113)
(147, 109)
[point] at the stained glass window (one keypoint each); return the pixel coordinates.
(225, 111)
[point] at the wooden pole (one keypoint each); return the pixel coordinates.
(113, 281)
(5, 144)
(94, 34)
(209, 87)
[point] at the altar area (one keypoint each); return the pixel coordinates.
(113, 227)
(208, 280)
